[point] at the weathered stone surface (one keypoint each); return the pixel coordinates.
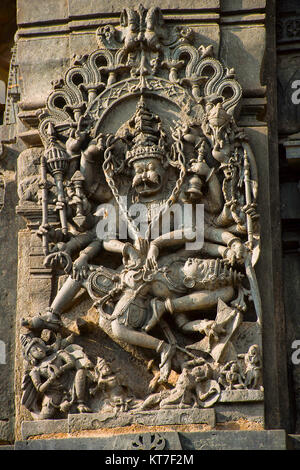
(78, 7)
(34, 11)
(247, 334)
(251, 412)
(35, 59)
(29, 174)
(243, 48)
(23, 304)
(46, 426)
(80, 422)
(66, 444)
(138, 441)
(209, 440)
(242, 5)
(234, 440)
(5, 430)
(9, 227)
(7, 447)
(241, 395)
(293, 441)
(31, 12)
(148, 418)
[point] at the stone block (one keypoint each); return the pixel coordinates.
(81, 43)
(229, 412)
(242, 5)
(208, 440)
(35, 11)
(292, 146)
(66, 444)
(93, 7)
(293, 442)
(138, 441)
(234, 440)
(40, 62)
(5, 430)
(242, 47)
(241, 396)
(85, 421)
(44, 426)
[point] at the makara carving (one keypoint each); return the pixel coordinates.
(155, 188)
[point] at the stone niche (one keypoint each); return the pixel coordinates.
(145, 295)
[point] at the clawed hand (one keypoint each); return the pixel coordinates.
(151, 261)
(141, 251)
(80, 270)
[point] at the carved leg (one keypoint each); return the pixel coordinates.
(139, 338)
(175, 397)
(64, 296)
(200, 300)
(50, 404)
(50, 319)
(80, 384)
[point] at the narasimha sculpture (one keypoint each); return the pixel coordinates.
(151, 173)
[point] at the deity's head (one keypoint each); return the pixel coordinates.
(253, 351)
(34, 349)
(217, 115)
(103, 367)
(148, 174)
(37, 352)
(202, 372)
(195, 271)
(147, 156)
(234, 368)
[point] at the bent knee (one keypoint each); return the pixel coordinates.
(117, 329)
(226, 293)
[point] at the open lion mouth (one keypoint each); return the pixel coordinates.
(147, 186)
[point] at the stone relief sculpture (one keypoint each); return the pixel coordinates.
(149, 166)
(55, 378)
(194, 387)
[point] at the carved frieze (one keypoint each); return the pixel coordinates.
(155, 189)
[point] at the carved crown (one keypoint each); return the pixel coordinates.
(144, 151)
(147, 135)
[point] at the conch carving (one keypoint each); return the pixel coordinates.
(139, 134)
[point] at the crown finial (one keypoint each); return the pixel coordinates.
(147, 133)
